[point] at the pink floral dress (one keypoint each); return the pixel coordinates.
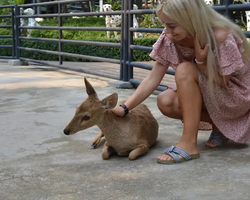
(229, 109)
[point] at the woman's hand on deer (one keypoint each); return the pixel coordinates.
(119, 111)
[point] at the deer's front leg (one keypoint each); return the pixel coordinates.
(142, 149)
(97, 139)
(107, 151)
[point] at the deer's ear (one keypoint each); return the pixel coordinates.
(89, 88)
(110, 101)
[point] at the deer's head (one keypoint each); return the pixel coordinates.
(90, 111)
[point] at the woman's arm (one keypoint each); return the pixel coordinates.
(145, 89)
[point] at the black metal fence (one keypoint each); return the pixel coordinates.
(126, 45)
(11, 26)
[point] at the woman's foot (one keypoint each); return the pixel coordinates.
(216, 140)
(190, 149)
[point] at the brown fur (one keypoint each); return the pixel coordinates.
(130, 135)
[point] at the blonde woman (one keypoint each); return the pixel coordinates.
(211, 57)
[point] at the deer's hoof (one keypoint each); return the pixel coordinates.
(94, 145)
(105, 156)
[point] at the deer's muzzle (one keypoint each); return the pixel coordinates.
(66, 131)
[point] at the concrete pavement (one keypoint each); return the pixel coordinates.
(38, 162)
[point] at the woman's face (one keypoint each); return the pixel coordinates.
(172, 28)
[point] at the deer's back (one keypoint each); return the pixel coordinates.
(138, 127)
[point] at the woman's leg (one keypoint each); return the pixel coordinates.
(216, 137)
(187, 105)
(168, 104)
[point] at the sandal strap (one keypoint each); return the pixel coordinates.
(175, 157)
(175, 152)
(217, 138)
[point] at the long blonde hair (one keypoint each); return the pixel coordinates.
(197, 18)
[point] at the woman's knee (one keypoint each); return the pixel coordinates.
(186, 71)
(165, 100)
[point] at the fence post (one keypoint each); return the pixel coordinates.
(130, 41)
(17, 13)
(227, 13)
(124, 42)
(60, 34)
(13, 32)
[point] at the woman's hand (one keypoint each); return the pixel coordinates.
(119, 111)
(201, 54)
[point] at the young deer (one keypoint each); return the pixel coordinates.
(130, 135)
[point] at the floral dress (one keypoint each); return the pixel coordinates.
(229, 108)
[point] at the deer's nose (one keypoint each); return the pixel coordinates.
(66, 131)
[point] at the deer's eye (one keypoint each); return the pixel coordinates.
(86, 118)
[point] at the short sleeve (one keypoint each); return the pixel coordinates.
(164, 51)
(230, 55)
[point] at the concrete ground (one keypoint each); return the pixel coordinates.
(39, 162)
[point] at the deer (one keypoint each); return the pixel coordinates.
(131, 135)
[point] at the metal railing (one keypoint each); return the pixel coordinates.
(12, 27)
(62, 41)
(126, 45)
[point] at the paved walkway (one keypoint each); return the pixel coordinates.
(39, 162)
(114, 70)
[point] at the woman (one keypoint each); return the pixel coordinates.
(211, 57)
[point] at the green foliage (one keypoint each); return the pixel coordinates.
(116, 5)
(150, 21)
(107, 52)
(18, 2)
(143, 55)
(5, 11)
(9, 2)
(5, 31)
(73, 35)
(5, 2)
(5, 51)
